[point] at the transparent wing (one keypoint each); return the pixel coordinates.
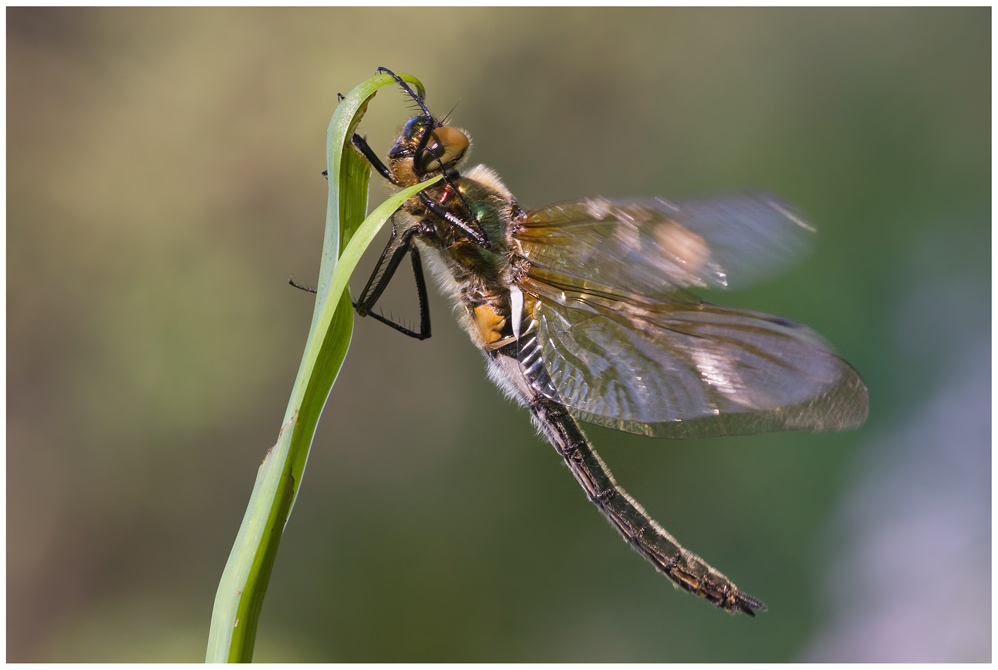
(682, 369)
(654, 248)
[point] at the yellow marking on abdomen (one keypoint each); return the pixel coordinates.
(490, 323)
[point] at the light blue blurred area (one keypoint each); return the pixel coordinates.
(908, 576)
(908, 553)
(163, 180)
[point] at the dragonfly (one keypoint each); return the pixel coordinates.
(584, 311)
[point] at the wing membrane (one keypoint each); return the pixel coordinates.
(683, 369)
(654, 248)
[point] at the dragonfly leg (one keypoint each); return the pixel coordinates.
(683, 567)
(364, 148)
(384, 270)
(424, 307)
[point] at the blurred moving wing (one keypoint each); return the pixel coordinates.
(682, 369)
(654, 248)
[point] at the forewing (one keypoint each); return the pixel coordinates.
(654, 248)
(683, 369)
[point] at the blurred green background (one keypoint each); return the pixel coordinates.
(163, 181)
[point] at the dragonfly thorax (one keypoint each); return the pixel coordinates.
(478, 198)
(478, 279)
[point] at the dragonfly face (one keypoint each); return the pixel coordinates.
(583, 310)
(424, 148)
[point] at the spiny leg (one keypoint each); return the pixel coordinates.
(683, 567)
(384, 270)
(380, 279)
(365, 149)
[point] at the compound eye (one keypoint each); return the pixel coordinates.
(445, 147)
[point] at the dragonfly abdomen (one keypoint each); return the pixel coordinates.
(684, 568)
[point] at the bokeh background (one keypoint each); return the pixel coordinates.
(163, 180)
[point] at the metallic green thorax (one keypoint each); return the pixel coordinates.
(492, 209)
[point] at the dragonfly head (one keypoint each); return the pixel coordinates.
(424, 148)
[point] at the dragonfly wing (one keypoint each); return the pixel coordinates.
(654, 247)
(683, 369)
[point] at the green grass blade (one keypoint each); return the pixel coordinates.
(243, 585)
